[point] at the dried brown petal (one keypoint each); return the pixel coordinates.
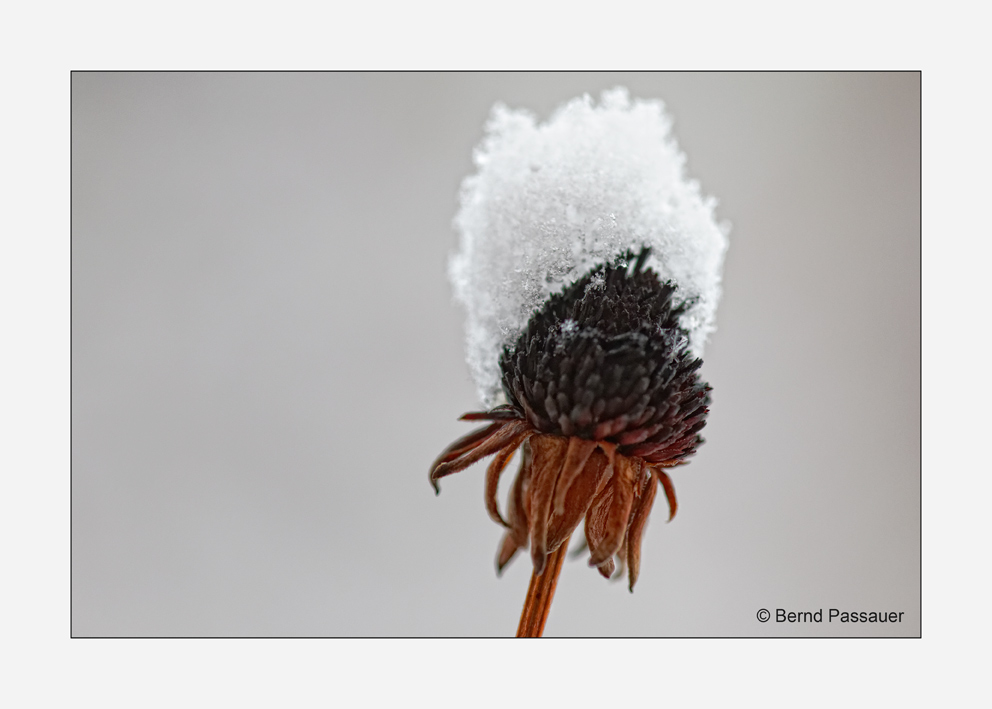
(491, 441)
(596, 517)
(617, 514)
(466, 443)
(581, 493)
(666, 483)
(493, 474)
(578, 453)
(516, 512)
(549, 454)
(638, 522)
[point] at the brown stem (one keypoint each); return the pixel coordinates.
(540, 593)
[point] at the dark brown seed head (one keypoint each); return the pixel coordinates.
(606, 359)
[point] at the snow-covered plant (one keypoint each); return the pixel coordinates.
(590, 272)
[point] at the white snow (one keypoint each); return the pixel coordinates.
(551, 201)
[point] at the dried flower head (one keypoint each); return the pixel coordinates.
(590, 272)
(603, 396)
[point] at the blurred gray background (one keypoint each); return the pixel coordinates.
(266, 358)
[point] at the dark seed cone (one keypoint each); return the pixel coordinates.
(603, 395)
(606, 360)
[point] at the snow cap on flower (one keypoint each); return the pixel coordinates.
(551, 201)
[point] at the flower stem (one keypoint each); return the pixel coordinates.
(540, 593)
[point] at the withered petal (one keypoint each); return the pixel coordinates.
(596, 517)
(549, 454)
(581, 493)
(666, 483)
(617, 515)
(493, 438)
(493, 474)
(578, 453)
(638, 522)
(517, 504)
(466, 443)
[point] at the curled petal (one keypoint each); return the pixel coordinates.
(491, 439)
(495, 470)
(666, 483)
(616, 513)
(638, 521)
(549, 454)
(466, 443)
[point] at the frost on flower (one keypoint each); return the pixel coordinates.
(551, 201)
